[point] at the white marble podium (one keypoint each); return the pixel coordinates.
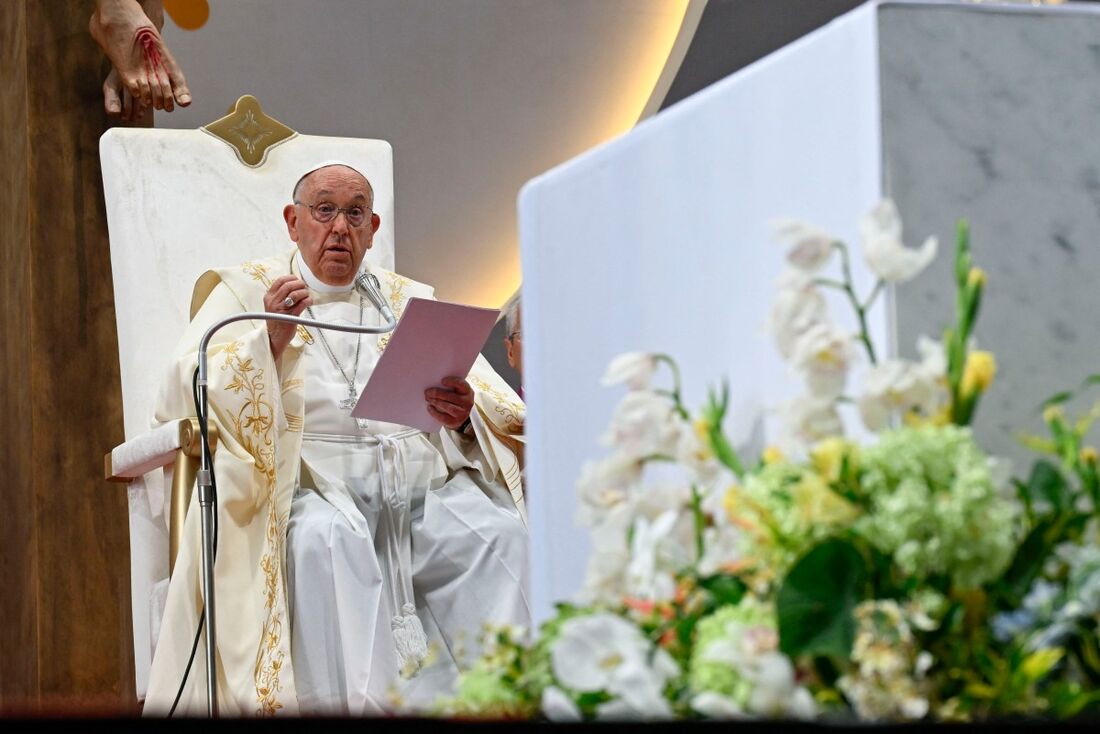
(658, 240)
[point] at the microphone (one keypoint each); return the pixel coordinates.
(367, 284)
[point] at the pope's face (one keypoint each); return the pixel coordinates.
(333, 250)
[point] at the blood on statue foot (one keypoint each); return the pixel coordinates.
(143, 62)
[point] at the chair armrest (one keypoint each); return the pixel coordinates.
(150, 450)
(177, 443)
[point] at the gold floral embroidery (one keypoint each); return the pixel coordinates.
(252, 427)
(258, 271)
(397, 285)
(511, 412)
(304, 333)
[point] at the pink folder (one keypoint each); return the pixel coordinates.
(433, 340)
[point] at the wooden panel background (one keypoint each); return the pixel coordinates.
(65, 639)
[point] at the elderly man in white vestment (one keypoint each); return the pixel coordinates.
(357, 561)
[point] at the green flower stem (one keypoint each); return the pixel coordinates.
(848, 287)
(700, 522)
(675, 394)
(879, 287)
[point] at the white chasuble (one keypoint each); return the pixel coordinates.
(334, 535)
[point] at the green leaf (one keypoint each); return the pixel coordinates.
(816, 601)
(962, 252)
(1028, 561)
(724, 588)
(1046, 482)
(1093, 379)
(1056, 399)
(1037, 444)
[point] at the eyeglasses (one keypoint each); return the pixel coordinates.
(325, 212)
(515, 335)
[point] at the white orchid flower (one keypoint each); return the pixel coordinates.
(775, 692)
(635, 369)
(557, 706)
(694, 452)
(604, 652)
(883, 249)
(590, 649)
(605, 574)
(808, 420)
(714, 705)
(798, 305)
(808, 248)
(605, 484)
(933, 358)
(722, 545)
(896, 386)
(644, 424)
(639, 689)
(823, 353)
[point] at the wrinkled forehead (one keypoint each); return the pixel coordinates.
(331, 176)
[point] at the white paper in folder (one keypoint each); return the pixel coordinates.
(433, 340)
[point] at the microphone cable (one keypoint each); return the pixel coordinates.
(203, 430)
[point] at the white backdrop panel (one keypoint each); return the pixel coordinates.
(659, 241)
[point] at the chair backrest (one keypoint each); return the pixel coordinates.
(179, 202)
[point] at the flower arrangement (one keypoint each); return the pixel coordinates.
(902, 578)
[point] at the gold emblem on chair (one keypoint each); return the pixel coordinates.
(249, 131)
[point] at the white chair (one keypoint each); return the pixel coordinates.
(178, 203)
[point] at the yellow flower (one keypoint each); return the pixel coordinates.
(828, 457)
(772, 455)
(1054, 413)
(702, 429)
(819, 505)
(916, 419)
(976, 277)
(978, 372)
(1088, 455)
(730, 501)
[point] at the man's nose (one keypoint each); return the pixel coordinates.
(340, 226)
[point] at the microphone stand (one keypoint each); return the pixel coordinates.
(207, 500)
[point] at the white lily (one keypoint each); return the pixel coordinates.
(633, 368)
(798, 305)
(643, 579)
(823, 354)
(808, 248)
(883, 249)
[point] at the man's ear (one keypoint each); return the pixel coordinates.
(290, 215)
(511, 357)
(375, 222)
